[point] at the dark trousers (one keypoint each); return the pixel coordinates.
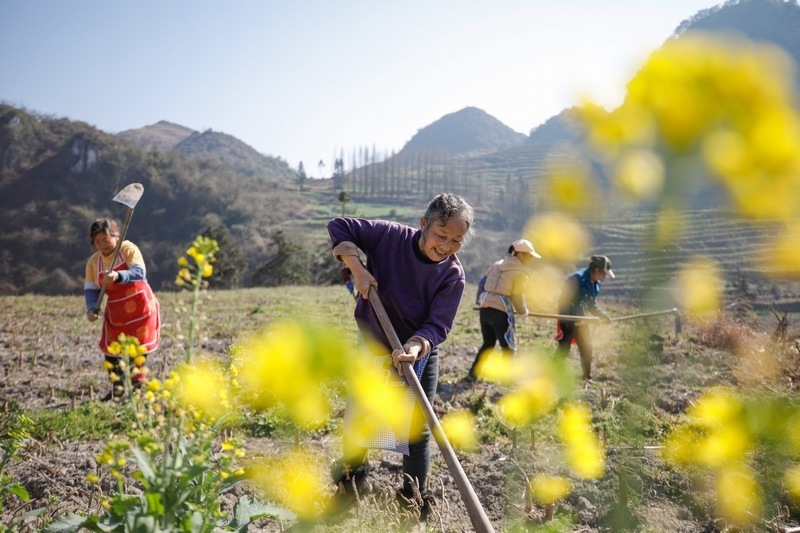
(582, 337)
(494, 324)
(416, 464)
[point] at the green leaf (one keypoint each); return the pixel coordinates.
(19, 490)
(197, 522)
(155, 504)
(71, 522)
(245, 512)
(30, 514)
(143, 461)
(141, 524)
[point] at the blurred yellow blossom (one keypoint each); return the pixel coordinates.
(714, 435)
(535, 381)
(728, 102)
(531, 400)
(294, 479)
(570, 185)
(738, 495)
(791, 478)
(548, 489)
(558, 237)
(290, 364)
(544, 289)
(783, 259)
(204, 387)
(584, 452)
(459, 427)
(640, 173)
(698, 286)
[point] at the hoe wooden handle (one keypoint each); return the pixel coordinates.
(476, 513)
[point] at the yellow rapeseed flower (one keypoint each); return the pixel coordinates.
(92, 478)
(182, 261)
(381, 396)
(497, 367)
(459, 427)
(729, 103)
(114, 348)
(791, 478)
(207, 270)
(558, 237)
(570, 186)
(295, 480)
(716, 407)
(289, 364)
(202, 387)
(698, 286)
(738, 496)
(549, 489)
(584, 452)
(641, 174)
(783, 259)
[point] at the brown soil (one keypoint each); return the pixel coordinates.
(658, 499)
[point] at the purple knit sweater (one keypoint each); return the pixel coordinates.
(421, 297)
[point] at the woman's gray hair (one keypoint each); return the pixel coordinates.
(446, 206)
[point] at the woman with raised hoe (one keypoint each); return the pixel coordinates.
(503, 295)
(131, 307)
(420, 282)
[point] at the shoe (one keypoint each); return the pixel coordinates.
(428, 502)
(419, 505)
(351, 486)
(116, 392)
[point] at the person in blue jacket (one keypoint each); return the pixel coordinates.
(579, 298)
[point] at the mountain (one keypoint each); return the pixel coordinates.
(57, 175)
(163, 135)
(216, 145)
(469, 131)
(772, 21)
(560, 128)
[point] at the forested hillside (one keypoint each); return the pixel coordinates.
(57, 175)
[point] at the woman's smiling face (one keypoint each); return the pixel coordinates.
(439, 241)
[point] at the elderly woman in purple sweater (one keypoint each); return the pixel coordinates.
(420, 282)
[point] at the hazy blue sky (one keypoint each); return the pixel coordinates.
(305, 79)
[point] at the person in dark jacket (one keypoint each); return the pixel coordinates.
(420, 282)
(579, 298)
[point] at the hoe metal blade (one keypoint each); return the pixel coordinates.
(130, 195)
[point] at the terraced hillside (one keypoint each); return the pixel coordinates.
(737, 246)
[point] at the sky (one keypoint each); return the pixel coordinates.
(308, 80)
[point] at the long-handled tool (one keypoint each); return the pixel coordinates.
(129, 197)
(476, 513)
(674, 311)
(584, 319)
